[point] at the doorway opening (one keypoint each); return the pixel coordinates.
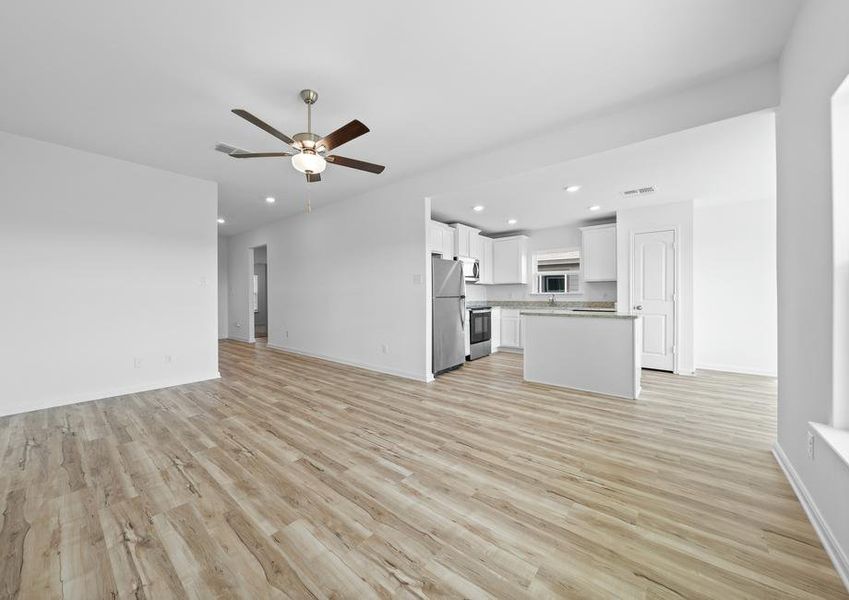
(259, 294)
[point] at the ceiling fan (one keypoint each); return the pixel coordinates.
(310, 151)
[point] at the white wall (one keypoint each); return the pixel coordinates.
(223, 293)
(677, 216)
(554, 238)
(119, 263)
(814, 63)
(371, 252)
(734, 287)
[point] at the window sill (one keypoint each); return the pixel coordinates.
(837, 439)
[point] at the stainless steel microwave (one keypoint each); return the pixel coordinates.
(471, 268)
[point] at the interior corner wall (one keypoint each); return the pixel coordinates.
(678, 215)
(223, 288)
(814, 63)
(346, 282)
(108, 273)
(734, 287)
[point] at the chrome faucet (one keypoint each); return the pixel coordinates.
(551, 300)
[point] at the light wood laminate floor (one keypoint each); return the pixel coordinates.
(297, 478)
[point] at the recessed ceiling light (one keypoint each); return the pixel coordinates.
(511, 221)
(270, 199)
(572, 188)
(477, 208)
(594, 207)
(220, 220)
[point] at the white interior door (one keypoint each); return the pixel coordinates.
(653, 296)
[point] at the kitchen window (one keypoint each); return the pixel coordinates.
(557, 272)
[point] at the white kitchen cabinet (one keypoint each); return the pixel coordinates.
(510, 259)
(511, 329)
(434, 237)
(448, 242)
(441, 240)
(463, 239)
(476, 246)
(598, 252)
(486, 260)
(495, 329)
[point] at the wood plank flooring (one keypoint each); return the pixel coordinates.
(296, 478)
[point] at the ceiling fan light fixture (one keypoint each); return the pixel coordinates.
(309, 162)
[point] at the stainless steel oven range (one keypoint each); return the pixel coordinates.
(480, 330)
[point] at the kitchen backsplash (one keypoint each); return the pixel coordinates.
(591, 292)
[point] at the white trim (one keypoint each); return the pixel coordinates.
(512, 349)
(585, 390)
(829, 542)
(736, 369)
(111, 393)
(352, 363)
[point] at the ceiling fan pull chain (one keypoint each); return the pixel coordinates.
(309, 201)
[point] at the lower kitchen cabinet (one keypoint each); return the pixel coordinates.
(495, 329)
(511, 329)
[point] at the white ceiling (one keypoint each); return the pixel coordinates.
(154, 82)
(727, 161)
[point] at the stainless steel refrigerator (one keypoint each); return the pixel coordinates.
(449, 315)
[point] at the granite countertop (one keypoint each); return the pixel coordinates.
(540, 304)
(555, 312)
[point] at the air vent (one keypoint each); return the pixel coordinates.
(639, 191)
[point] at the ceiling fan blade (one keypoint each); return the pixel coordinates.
(355, 164)
(313, 177)
(263, 125)
(227, 148)
(258, 154)
(344, 134)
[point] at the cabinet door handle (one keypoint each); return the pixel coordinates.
(638, 307)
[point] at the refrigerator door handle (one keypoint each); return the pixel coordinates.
(463, 315)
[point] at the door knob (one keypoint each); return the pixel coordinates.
(638, 307)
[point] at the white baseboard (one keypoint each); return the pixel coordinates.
(107, 393)
(511, 349)
(354, 363)
(829, 542)
(736, 369)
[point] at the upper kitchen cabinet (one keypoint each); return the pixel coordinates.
(510, 259)
(476, 246)
(441, 239)
(598, 252)
(486, 260)
(465, 240)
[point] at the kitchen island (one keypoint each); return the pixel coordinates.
(588, 351)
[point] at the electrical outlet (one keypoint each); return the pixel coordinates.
(137, 362)
(811, 445)
(384, 348)
(286, 334)
(418, 279)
